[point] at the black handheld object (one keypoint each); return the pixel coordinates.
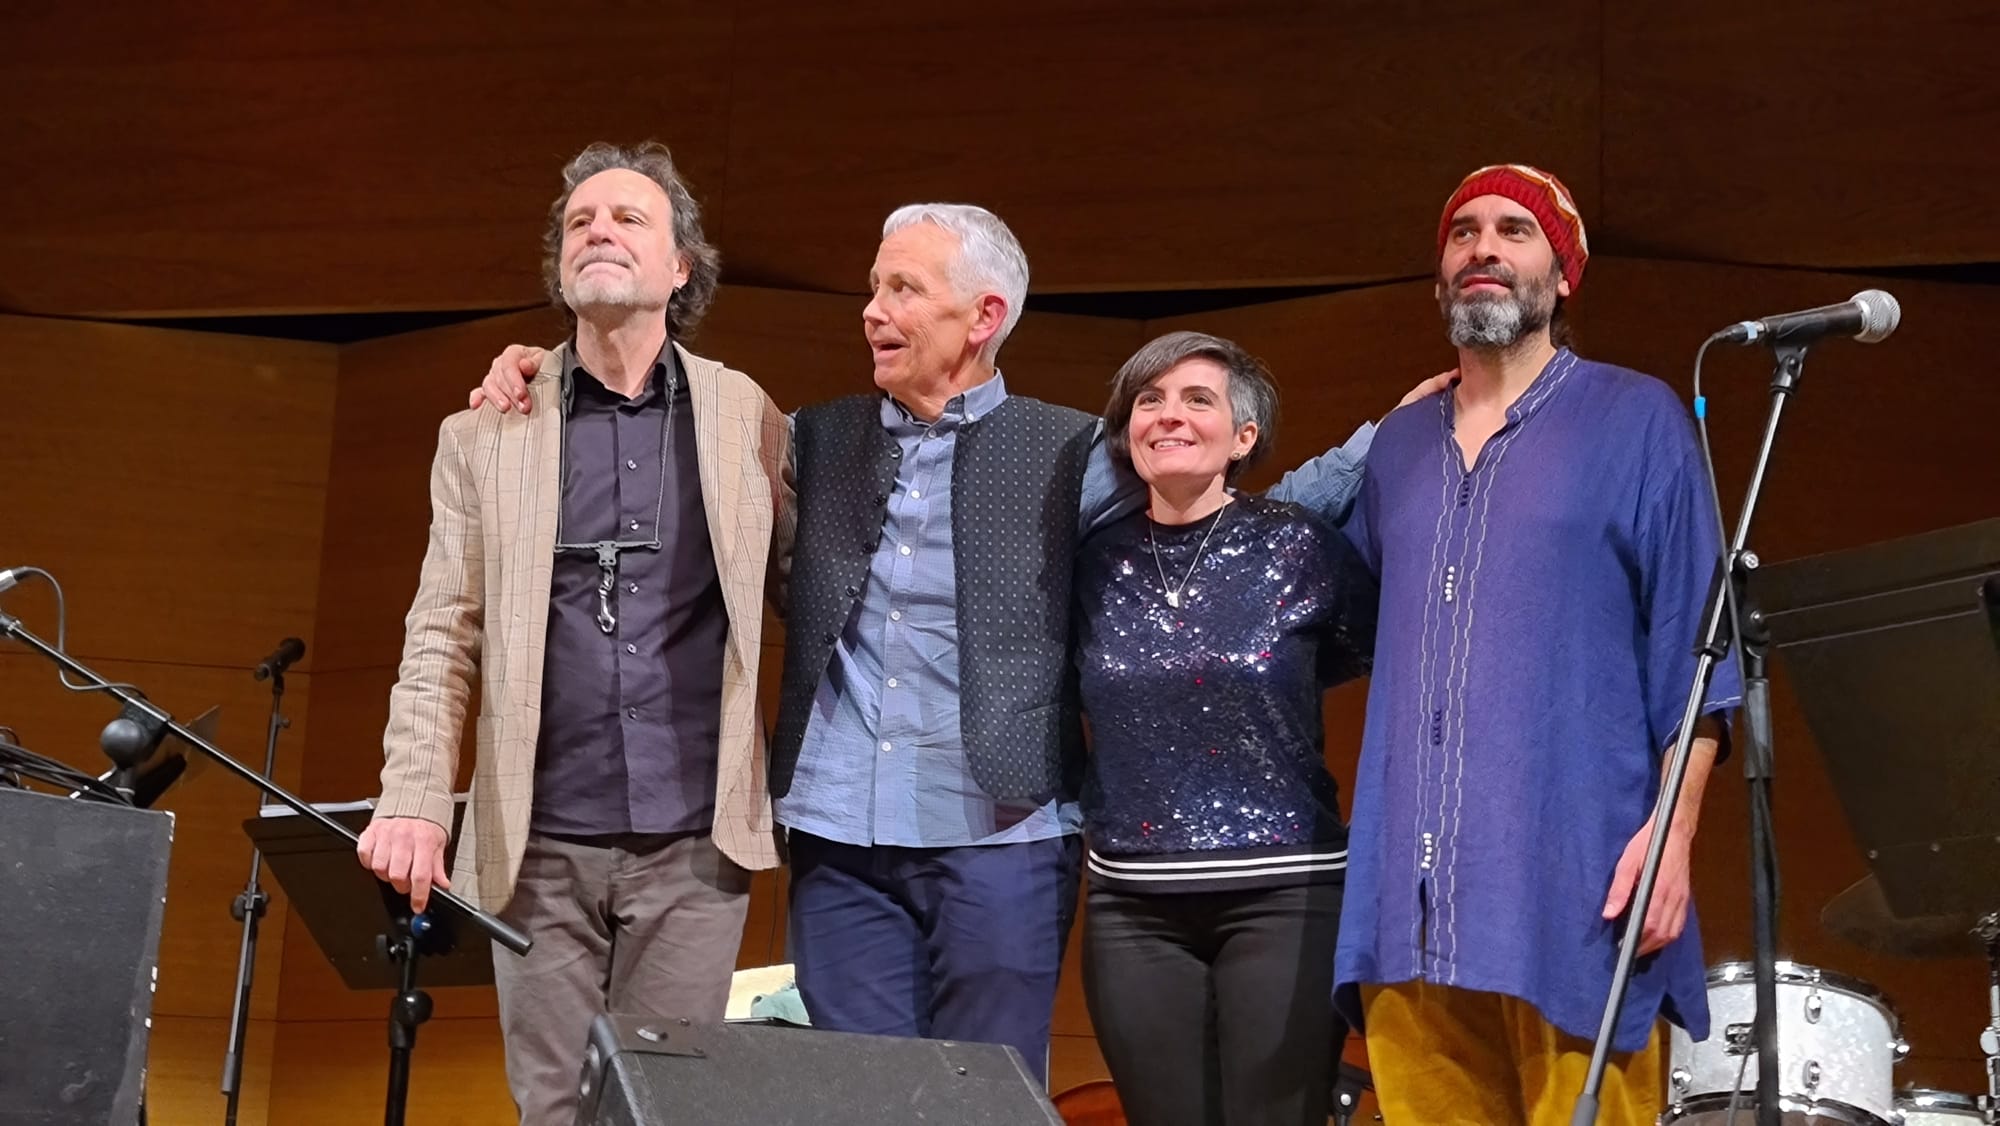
(289, 652)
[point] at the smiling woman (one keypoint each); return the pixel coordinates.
(1207, 627)
(1190, 412)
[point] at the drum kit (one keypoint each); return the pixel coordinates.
(1839, 1041)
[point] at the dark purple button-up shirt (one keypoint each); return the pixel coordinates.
(1533, 658)
(630, 718)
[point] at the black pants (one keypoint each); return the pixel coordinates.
(1216, 1008)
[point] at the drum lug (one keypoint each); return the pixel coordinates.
(1813, 1006)
(1901, 1048)
(1812, 1075)
(1738, 1038)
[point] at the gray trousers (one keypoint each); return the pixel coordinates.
(629, 924)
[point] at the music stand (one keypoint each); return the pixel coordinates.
(365, 928)
(1895, 660)
(1894, 653)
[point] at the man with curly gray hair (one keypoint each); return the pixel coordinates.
(600, 567)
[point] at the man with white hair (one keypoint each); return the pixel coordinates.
(925, 754)
(928, 750)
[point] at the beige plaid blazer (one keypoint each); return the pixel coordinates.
(482, 608)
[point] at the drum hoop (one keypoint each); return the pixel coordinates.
(1930, 1098)
(1799, 973)
(1788, 1104)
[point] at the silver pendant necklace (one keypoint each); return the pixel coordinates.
(1174, 591)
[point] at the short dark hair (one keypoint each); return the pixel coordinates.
(652, 160)
(1253, 394)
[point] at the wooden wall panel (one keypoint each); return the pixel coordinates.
(173, 481)
(1144, 145)
(1830, 135)
(189, 159)
(184, 1073)
(1882, 441)
(336, 1071)
(318, 159)
(314, 160)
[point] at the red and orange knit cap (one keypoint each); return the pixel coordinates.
(1543, 195)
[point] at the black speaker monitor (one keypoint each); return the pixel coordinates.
(82, 893)
(655, 1071)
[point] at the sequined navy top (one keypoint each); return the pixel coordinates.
(1207, 769)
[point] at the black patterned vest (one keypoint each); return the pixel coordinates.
(1016, 481)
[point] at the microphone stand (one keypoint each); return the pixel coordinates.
(1756, 647)
(411, 1006)
(1725, 601)
(248, 908)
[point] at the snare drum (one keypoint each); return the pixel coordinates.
(1839, 1040)
(1921, 1106)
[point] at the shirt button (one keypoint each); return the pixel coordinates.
(905, 549)
(630, 464)
(631, 713)
(634, 525)
(631, 588)
(886, 748)
(895, 615)
(630, 648)
(892, 682)
(915, 493)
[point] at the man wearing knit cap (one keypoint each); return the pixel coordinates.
(1545, 543)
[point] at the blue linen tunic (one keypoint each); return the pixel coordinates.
(1534, 655)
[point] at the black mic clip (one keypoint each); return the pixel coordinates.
(288, 652)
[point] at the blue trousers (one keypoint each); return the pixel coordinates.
(944, 943)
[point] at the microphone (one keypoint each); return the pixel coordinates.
(1868, 316)
(289, 650)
